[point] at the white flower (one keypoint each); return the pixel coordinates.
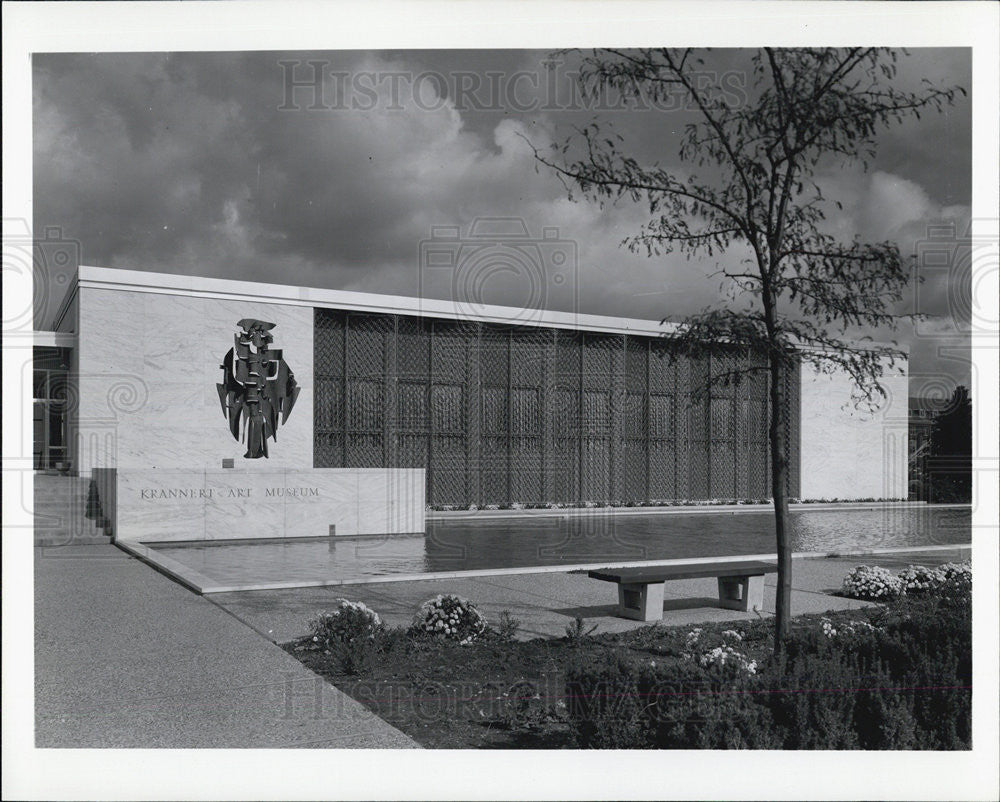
(871, 582)
(727, 655)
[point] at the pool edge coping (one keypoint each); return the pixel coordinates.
(682, 509)
(204, 585)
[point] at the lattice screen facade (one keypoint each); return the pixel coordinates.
(501, 415)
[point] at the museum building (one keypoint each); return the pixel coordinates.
(438, 404)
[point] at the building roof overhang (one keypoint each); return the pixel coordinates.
(53, 339)
(260, 292)
(289, 295)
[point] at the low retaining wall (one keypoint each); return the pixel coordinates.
(174, 505)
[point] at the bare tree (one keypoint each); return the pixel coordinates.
(800, 291)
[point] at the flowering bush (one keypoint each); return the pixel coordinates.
(846, 627)
(691, 639)
(956, 569)
(957, 576)
(727, 657)
(351, 621)
(919, 579)
(872, 582)
(451, 617)
(721, 655)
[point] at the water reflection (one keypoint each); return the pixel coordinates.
(463, 545)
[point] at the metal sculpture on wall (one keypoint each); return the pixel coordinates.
(257, 387)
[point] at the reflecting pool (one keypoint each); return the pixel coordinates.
(476, 543)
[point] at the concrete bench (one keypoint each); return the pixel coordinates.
(640, 590)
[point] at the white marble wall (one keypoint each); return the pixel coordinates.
(148, 366)
(72, 323)
(848, 454)
(68, 320)
(177, 505)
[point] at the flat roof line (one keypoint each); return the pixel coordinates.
(113, 278)
(54, 339)
(349, 300)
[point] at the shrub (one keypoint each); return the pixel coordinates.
(952, 570)
(957, 579)
(356, 657)
(918, 579)
(352, 634)
(948, 579)
(840, 698)
(604, 707)
(577, 631)
(450, 616)
(717, 651)
(900, 680)
(871, 582)
(508, 626)
(351, 621)
(524, 707)
(361, 655)
(904, 683)
(727, 658)
(843, 629)
(664, 703)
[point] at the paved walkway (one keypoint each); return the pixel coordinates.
(125, 657)
(545, 603)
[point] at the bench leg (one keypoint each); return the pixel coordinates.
(641, 602)
(741, 592)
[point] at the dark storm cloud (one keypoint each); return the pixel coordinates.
(198, 163)
(129, 158)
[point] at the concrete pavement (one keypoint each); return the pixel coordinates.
(546, 602)
(125, 657)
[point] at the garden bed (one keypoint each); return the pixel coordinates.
(892, 676)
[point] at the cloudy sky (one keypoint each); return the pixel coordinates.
(204, 164)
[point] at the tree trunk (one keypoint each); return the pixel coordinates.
(779, 486)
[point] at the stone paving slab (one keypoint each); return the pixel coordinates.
(125, 657)
(546, 603)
